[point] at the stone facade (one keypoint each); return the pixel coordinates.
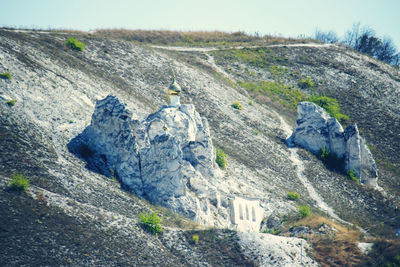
(246, 214)
(167, 158)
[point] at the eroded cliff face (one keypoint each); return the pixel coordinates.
(167, 158)
(316, 130)
(56, 91)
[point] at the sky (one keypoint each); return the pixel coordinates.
(288, 18)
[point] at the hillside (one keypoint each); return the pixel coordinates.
(86, 218)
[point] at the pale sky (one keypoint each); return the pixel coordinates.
(289, 18)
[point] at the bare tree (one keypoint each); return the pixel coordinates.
(387, 52)
(326, 37)
(364, 39)
(352, 36)
(369, 44)
(396, 60)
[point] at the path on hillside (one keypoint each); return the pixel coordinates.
(210, 59)
(213, 48)
(294, 157)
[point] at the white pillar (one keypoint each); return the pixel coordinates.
(174, 101)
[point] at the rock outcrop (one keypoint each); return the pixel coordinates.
(315, 130)
(168, 158)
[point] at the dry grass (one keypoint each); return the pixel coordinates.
(174, 220)
(182, 38)
(384, 253)
(315, 221)
(200, 38)
(338, 249)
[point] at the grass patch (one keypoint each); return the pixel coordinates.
(195, 238)
(259, 57)
(271, 231)
(220, 158)
(304, 211)
(331, 106)
(352, 175)
(289, 96)
(19, 182)
(278, 72)
(11, 102)
(293, 195)
(151, 222)
(262, 58)
(5, 75)
(74, 44)
(305, 83)
(237, 105)
(286, 95)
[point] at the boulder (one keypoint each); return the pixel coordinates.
(315, 130)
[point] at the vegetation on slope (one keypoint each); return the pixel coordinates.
(365, 40)
(74, 44)
(6, 75)
(18, 182)
(48, 182)
(193, 38)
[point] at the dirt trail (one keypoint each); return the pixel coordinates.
(294, 157)
(210, 49)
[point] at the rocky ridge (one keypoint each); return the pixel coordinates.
(56, 90)
(168, 158)
(316, 130)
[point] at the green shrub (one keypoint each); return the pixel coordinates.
(293, 195)
(237, 105)
(6, 75)
(74, 44)
(11, 102)
(304, 211)
(323, 154)
(151, 222)
(352, 175)
(195, 239)
(18, 182)
(392, 262)
(271, 231)
(305, 83)
(330, 105)
(251, 103)
(220, 158)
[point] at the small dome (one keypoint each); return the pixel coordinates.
(174, 88)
